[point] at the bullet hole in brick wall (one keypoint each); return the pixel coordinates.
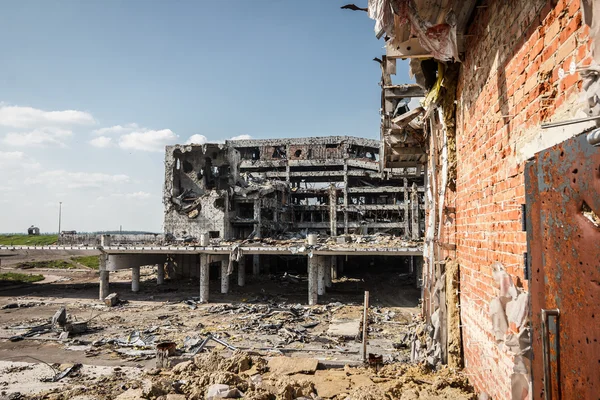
(187, 167)
(220, 203)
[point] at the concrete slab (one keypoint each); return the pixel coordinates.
(290, 366)
(344, 328)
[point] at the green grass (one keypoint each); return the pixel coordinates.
(16, 277)
(28, 240)
(92, 262)
(52, 264)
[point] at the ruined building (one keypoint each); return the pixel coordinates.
(286, 188)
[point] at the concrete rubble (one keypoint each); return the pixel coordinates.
(244, 375)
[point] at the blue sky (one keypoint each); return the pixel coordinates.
(91, 91)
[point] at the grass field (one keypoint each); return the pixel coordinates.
(52, 264)
(27, 240)
(92, 262)
(16, 277)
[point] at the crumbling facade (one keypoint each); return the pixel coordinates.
(287, 188)
(504, 83)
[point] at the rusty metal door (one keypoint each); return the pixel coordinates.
(563, 240)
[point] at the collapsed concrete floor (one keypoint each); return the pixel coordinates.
(267, 318)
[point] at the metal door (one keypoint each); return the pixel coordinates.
(563, 240)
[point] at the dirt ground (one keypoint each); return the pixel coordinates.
(265, 320)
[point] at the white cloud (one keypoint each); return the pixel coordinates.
(29, 117)
(147, 140)
(135, 195)
(7, 157)
(241, 137)
(15, 160)
(117, 129)
(76, 180)
(38, 137)
(197, 139)
(101, 142)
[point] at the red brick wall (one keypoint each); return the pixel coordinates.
(509, 83)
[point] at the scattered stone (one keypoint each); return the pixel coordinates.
(290, 366)
(111, 300)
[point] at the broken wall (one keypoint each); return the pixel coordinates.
(516, 74)
(195, 193)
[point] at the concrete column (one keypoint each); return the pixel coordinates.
(320, 275)
(312, 281)
(104, 289)
(327, 268)
(419, 271)
(204, 278)
(333, 210)
(160, 274)
(242, 271)
(406, 210)
(224, 276)
(104, 240)
(135, 279)
(414, 217)
(257, 218)
(334, 270)
(255, 264)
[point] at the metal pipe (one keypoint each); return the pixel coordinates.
(568, 122)
(545, 349)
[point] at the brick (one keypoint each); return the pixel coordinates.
(566, 49)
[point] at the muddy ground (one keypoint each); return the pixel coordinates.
(266, 320)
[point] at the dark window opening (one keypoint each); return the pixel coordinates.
(279, 152)
(220, 203)
(331, 146)
(214, 234)
(298, 153)
(246, 210)
(187, 167)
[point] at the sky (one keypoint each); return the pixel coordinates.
(91, 92)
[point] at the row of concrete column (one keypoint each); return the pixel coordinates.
(321, 271)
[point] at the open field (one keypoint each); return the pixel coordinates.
(18, 277)
(28, 240)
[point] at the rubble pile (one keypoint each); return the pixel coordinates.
(247, 376)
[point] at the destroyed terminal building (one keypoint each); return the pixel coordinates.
(327, 200)
(286, 188)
